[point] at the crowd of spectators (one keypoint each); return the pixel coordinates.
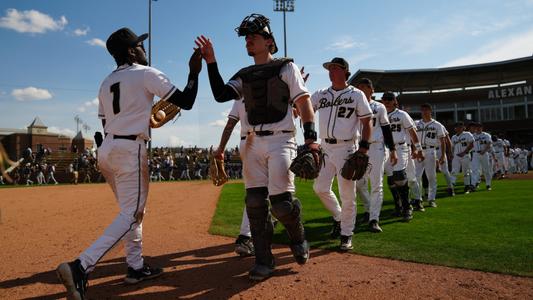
(165, 164)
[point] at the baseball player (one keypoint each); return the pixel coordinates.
(381, 136)
(506, 148)
(499, 152)
(269, 89)
(340, 108)
(522, 161)
(463, 142)
(444, 167)
(243, 244)
(403, 128)
(431, 135)
(125, 104)
(481, 158)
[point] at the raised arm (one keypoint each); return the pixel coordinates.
(221, 91)
(185, 99)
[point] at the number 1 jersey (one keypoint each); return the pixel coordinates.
(126, 98)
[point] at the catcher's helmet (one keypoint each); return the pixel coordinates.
(259, 24)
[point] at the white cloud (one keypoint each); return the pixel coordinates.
(31, 21)
(221, 122)
(62, 131)
(515, 46)
(174, 141)
(96, 42)
(31, 93)
(80, 31)
(344, 43)
(88, 105)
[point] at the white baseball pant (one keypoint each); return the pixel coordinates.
(124, 165)
(462, 164)
(428, 165)
(377, 155)
(480, 162)
(335, 156)
(414, 187)
(245, 224)
(266, 162)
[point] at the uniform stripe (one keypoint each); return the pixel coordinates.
(169, 93)
(134, 213)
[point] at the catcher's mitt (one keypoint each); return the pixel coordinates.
(355, 166)
(308, 163)
(162, 112)
(217, 171)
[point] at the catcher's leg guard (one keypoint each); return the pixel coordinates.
(260, 224)
(400, 180)
(287, 210)
(395, 195)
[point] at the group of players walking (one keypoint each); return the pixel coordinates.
(269, 95)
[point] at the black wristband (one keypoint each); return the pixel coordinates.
(364, 144)
(309, 131)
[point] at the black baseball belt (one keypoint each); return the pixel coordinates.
(126, 137)
(336, 141)
(265, 133)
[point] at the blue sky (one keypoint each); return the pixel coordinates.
(55, 58)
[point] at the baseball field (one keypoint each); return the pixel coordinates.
(471, 246)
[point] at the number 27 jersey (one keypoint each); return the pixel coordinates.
(126, 96)
(339, 112)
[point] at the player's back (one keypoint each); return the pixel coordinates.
(125, 102)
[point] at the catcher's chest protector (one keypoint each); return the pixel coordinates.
(266, 96)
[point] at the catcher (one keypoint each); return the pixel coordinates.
(341, 108)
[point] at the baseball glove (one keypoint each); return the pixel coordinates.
(7, 165)
(162, 112)
(217, 171)
(355, 166)
(308, 162)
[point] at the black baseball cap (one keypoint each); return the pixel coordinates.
(365, 81)
(459, 124)
(388, 96)
(123, 39)
(339, 61)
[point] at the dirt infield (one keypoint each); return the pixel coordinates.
(41, 227)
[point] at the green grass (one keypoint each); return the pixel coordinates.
(488, 231)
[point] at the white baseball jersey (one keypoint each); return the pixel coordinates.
(400, 123)
(460, 142)
(498, 146)
(340, 111)
(126, 97)
(238, 113)
(379, 118)
(430, 133)
(290, 74)
(506, 143)
(481, 141)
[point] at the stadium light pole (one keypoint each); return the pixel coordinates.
(284, 6)
(150, 64)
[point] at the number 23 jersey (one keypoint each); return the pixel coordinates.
(339, 112)
(126, 97)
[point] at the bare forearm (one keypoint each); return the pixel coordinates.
(226, 134)
(414, 136)
(366, 130)
(305, 109)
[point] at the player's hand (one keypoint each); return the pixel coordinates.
(304, 76)
(393, 158)
(206, 48)
(421, 156)
(195, 62)
(362, 150)
(441, 160)
(461, 154)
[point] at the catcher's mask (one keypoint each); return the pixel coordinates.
(259, 24)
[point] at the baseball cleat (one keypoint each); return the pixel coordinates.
(374, 226)
(300, 252)
(74, 279)
(489, 188)
(407, 215)
(346, 243)
(144, 273)
(260, 272)
(244, 246)
(432, 203)
(418, 206)
(335, 230)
